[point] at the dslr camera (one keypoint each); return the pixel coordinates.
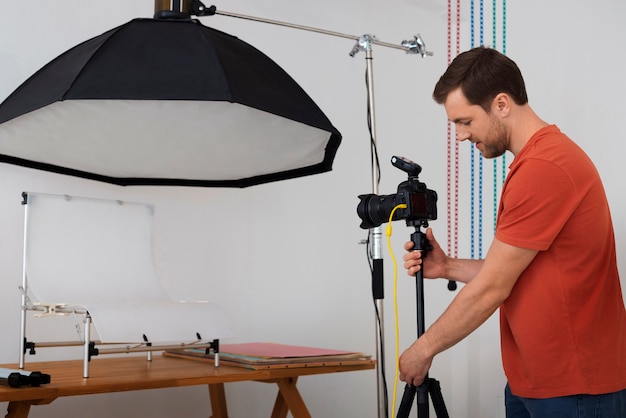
(420, 201)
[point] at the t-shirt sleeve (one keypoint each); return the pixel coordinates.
(537, 201)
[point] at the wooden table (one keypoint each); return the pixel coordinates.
(128, 373)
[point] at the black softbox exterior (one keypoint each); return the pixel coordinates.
(166, 102)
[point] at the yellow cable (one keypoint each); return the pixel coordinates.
(395, 305)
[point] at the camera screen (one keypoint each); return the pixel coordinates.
(419, 205)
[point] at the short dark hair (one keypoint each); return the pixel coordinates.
(482, 73)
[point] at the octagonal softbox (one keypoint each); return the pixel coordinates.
(166, 102)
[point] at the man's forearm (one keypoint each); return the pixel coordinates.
(471, 307)
(462, 269)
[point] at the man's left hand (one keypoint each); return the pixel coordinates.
(414, 365)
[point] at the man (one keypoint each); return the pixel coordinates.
(551, 268)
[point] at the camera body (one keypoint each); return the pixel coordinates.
(421, 202)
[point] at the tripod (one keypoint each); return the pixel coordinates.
(430, 386)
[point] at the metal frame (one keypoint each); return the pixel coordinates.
(90, 348)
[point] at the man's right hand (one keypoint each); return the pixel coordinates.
(435, 267)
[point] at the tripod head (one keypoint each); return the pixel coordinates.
(420, 242)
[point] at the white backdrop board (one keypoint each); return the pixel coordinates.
(98, 254)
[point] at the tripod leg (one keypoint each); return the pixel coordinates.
(435, 393)
(407, 401)
(423, 407)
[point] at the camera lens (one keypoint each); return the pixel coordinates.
(374, 210)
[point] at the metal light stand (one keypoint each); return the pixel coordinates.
(430, 386)
(378, 293)
(363, 43)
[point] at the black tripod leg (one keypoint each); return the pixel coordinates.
(423, 408)
(407, 401)
(410, 393)
(435, 394)
(429, 387)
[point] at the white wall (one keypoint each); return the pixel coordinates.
(283, 259)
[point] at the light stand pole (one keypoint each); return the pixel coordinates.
(378, 291)
(363, 43)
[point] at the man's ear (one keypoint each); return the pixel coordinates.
(501, 104)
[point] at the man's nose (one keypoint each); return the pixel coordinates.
(462, 135)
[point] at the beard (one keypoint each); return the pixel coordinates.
(496, 142)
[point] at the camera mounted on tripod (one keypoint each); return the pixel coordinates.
(419, 207)
(420, 201)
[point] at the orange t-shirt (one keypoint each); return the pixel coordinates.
(563, 327)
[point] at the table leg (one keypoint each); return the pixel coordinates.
(18, 409)
(291, 397)
(218, 400)
(280, 407)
